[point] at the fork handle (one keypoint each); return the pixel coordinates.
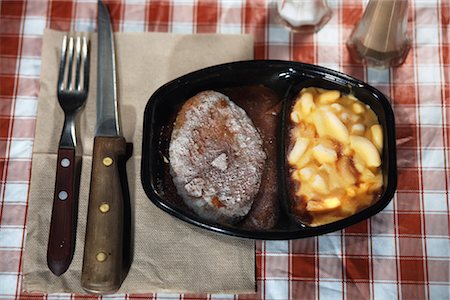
(63, 225)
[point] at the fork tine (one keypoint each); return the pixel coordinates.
(78, 63)
(62, 63)
(70, 63)
(86, 58)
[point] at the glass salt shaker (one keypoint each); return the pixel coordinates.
(380, 38)
(303, 15)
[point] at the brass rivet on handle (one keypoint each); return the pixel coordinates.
(107, 161)
(101, 256)
(104, 207)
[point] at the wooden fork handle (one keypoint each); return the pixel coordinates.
(63, 225)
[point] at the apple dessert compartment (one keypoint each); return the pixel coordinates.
(334, 150)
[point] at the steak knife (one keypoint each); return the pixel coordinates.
(103, 250)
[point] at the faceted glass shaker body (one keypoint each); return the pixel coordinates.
(380, 38)
(303, 15)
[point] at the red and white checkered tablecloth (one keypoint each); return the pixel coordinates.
(403, 252)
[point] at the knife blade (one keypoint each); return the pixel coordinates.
(103, 251)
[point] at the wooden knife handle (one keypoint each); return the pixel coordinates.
(63, 225)
(102, 261)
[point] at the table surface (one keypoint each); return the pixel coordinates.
(402, 252)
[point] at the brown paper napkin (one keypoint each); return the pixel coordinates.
(169, 255)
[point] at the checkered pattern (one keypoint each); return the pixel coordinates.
(403, 252)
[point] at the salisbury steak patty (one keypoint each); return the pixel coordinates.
(216, 157)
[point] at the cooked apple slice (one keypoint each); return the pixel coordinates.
(319, 124)
(377, 183)
(355, 118)
(324, 154)
(297, 151)
(351, 191)
(306, 173)
(329, 97)
(367, 175)
(337, 107)
(348, 207)
(366, 150)
(344, 169)
(304, 160)
(307, 103)
(298, 104)
(358, 163)
(295, 117)
(335, 127)
(363, 187)
(377, 136)
(334, 179)
(319, 184)
(353, 97)
(358, 129)
(323, 205)
(304, 104)
(358, 108)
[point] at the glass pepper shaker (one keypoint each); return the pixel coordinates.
(380, 37)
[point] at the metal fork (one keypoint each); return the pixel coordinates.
(72, 89)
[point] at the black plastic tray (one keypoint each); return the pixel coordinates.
(285, 78)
